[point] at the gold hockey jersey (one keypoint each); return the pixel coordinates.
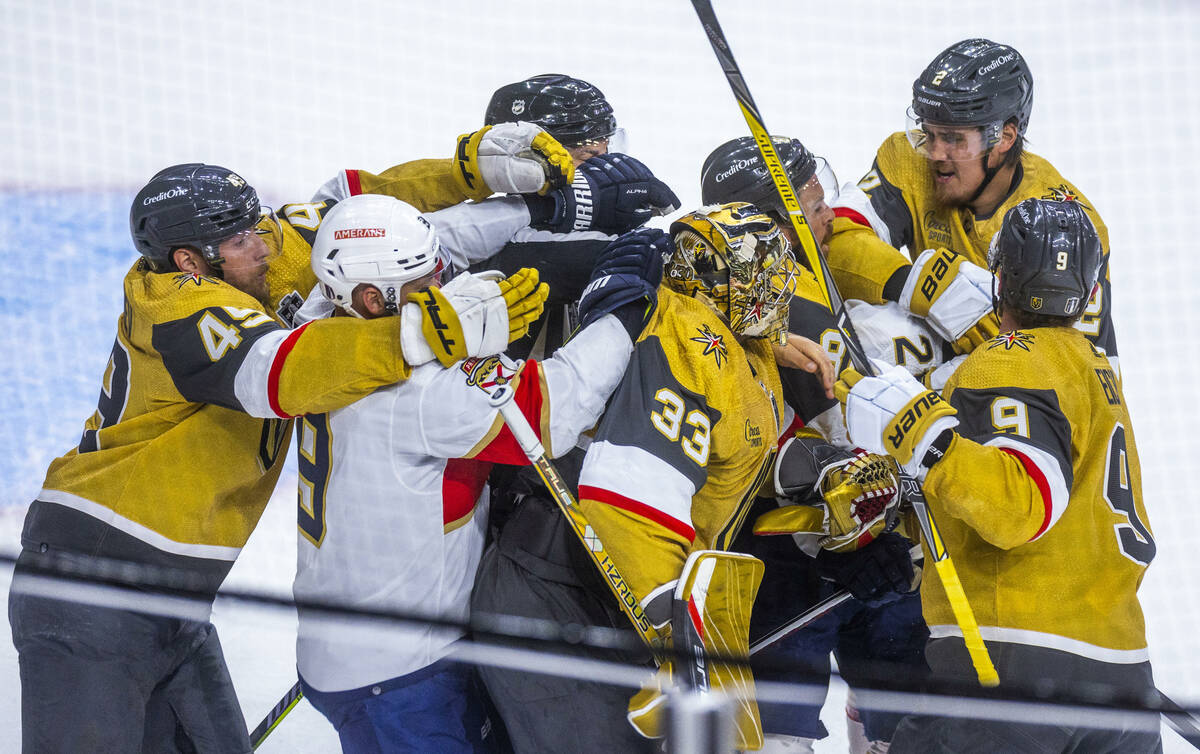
(184, 449)
(1039, 499)
(894, 206)
(684, 446)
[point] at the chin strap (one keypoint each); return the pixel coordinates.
(988, 175)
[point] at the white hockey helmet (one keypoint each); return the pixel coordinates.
(373, 239)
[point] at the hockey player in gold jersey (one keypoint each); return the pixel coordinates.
(174, 468)
(1029, 461)
(942, 188)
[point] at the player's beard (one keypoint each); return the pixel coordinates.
(948, 184)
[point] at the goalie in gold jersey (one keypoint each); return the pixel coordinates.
(1030, 462)
(942, 188)
(175, 467)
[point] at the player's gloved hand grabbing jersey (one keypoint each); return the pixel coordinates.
(510, 158)
(611, 193)
(953, 296)
(893, 413)
(625, 280)
(472, 315)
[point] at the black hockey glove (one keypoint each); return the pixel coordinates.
(625, 280)
(611, 193)
(876, 574)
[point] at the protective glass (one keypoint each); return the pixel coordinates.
(938, 142)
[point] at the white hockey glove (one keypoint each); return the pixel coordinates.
(954, 296)
(472, 315)
(893, 413)
(511, 158)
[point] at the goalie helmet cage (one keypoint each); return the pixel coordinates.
(99, 97)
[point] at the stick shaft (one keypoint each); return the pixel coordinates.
(276, 715)
(963, 614)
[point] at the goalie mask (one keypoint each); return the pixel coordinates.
(377, 240)
(1047, 258)
(735, 258)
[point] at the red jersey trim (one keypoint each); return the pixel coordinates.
(530, 398)
(353, 182)
(1043, 486)
(633, 506)
(462, 483)
(281, 355)
(856, 217)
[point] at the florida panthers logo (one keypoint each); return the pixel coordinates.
(713, 344)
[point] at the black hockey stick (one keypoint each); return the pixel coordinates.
(276, 715)
(910, 488)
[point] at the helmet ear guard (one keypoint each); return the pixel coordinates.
(376, 240)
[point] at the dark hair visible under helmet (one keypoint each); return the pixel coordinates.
(192, 205)
(571, 110)
(1048, 256)
(734, 172)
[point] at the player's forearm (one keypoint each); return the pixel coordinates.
(861, 262)
(473, 232)
(990, 490)
(428, 184)
(322, 366)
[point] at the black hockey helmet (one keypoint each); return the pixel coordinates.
(571, 110)
(734, 172)
(975, 82)
(191, 205)
(1048, 253)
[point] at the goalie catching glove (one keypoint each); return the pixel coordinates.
(846, 499)
(954, 296)
(895, 414)
(510, 158)
(472, 315)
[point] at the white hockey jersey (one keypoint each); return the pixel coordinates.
(393, 502)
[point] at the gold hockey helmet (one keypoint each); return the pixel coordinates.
(734, 257)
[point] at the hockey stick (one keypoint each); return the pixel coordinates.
(276, 715)
(501, 398)
(910, 488)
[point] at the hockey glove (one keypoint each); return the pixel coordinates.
(848, 499)
(876, 574)
(611, 193)
(893, 413)
(473, 315)
(954, 296)
(625, 280)
(510, 158)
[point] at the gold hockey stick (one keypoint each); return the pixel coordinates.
(911, 489)
(501, 398)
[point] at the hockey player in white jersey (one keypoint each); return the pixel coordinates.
(392, 496)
